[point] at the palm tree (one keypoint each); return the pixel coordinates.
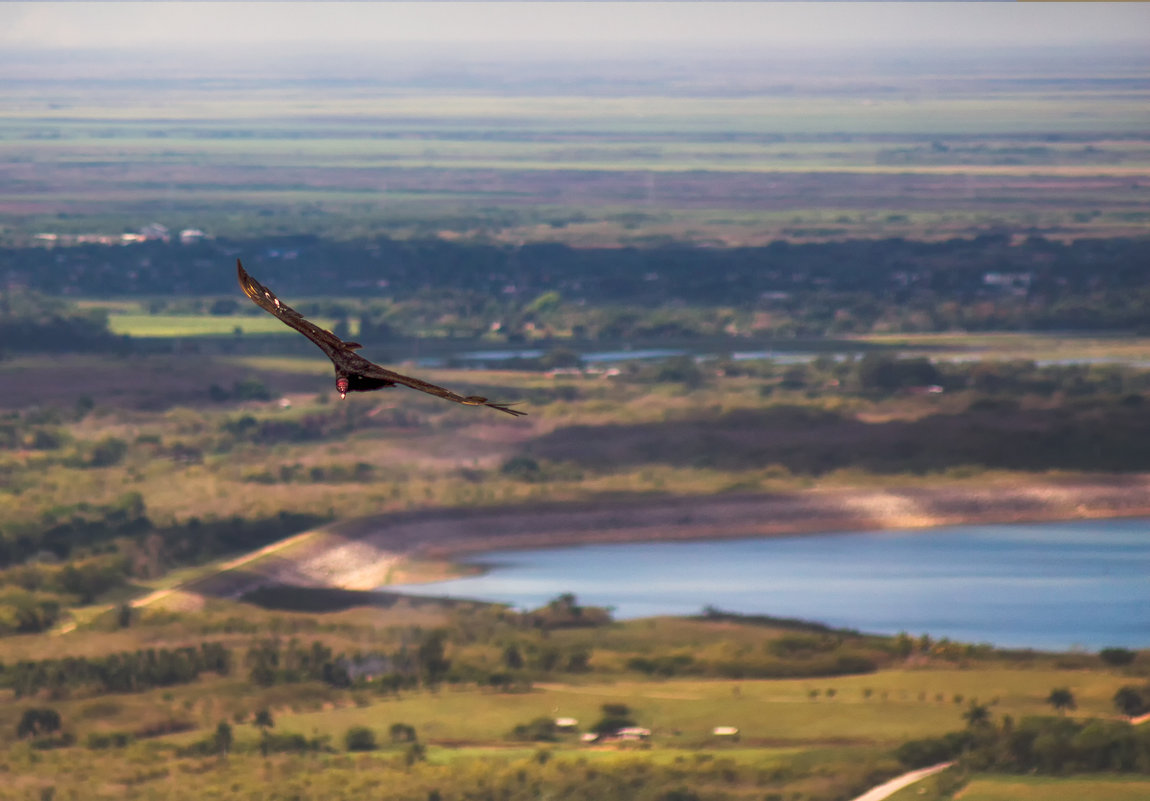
(1061, 699)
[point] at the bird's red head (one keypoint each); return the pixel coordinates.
(341, 385)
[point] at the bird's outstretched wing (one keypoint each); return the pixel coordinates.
(263, 297)
(343, 354)
(373, 370)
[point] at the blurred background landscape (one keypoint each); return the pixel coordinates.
(751, 269)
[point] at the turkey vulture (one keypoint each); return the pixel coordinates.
(353, 373)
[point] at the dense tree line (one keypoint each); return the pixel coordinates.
(62, 530)
(420, 663)
(1045, 745)
(127, 671)
(645, 276)
(84, 531)
(273, 662)
(989, 282)
(840, 662)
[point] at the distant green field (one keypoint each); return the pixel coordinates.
(834, 162)
(1043, 788)
(981, 113)
(683, 712)
(195, 325)
(647, 150)
(1026, 346)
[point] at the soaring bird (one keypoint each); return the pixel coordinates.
(353, 373)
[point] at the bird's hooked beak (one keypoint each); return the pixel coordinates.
(341, 386)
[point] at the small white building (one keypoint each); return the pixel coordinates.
(566, 724)
(725, 731)
(633, 733)
(156, 231)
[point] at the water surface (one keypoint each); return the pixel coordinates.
(1051, 585)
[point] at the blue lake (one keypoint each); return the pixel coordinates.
(1050, 586)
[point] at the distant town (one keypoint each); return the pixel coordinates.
(153, 232)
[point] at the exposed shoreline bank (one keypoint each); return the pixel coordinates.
(366, 553)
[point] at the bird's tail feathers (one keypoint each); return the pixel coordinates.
(475, 400)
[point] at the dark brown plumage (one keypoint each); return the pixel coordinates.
(353, 373)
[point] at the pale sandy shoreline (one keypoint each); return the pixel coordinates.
(362, 554)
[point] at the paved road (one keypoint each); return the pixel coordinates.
(899, 782)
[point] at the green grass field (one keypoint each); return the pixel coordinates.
(1025, 346)
(1034, 788)
(682, 713)
(195, 325)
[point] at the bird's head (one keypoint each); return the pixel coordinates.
(341, 386)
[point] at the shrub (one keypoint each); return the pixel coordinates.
(615, 717)
(539, 730)
(38, 721)
(929, 751)
(1117, 657)
(414, 753)
(671, 665)
(1132, 701)
(359, 738)
(522, 468)
(112, 739)
(292, 743)
(107, 452)
(222, 739)
(402, 733)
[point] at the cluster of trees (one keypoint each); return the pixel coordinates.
(298, 473)
(35, 586)
(127, 671)
(527, 658)
(37, 721)
(65, 530)
(30, 321)
(273, 662)
(545, 730)
(25, 612)
(565, 611)
(75, 554)
(363, 738)
(356, 738)
(1045, 745)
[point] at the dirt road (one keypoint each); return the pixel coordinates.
(898, 782)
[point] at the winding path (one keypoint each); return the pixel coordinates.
(887, 789)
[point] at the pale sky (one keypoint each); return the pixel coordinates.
(198, 24)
